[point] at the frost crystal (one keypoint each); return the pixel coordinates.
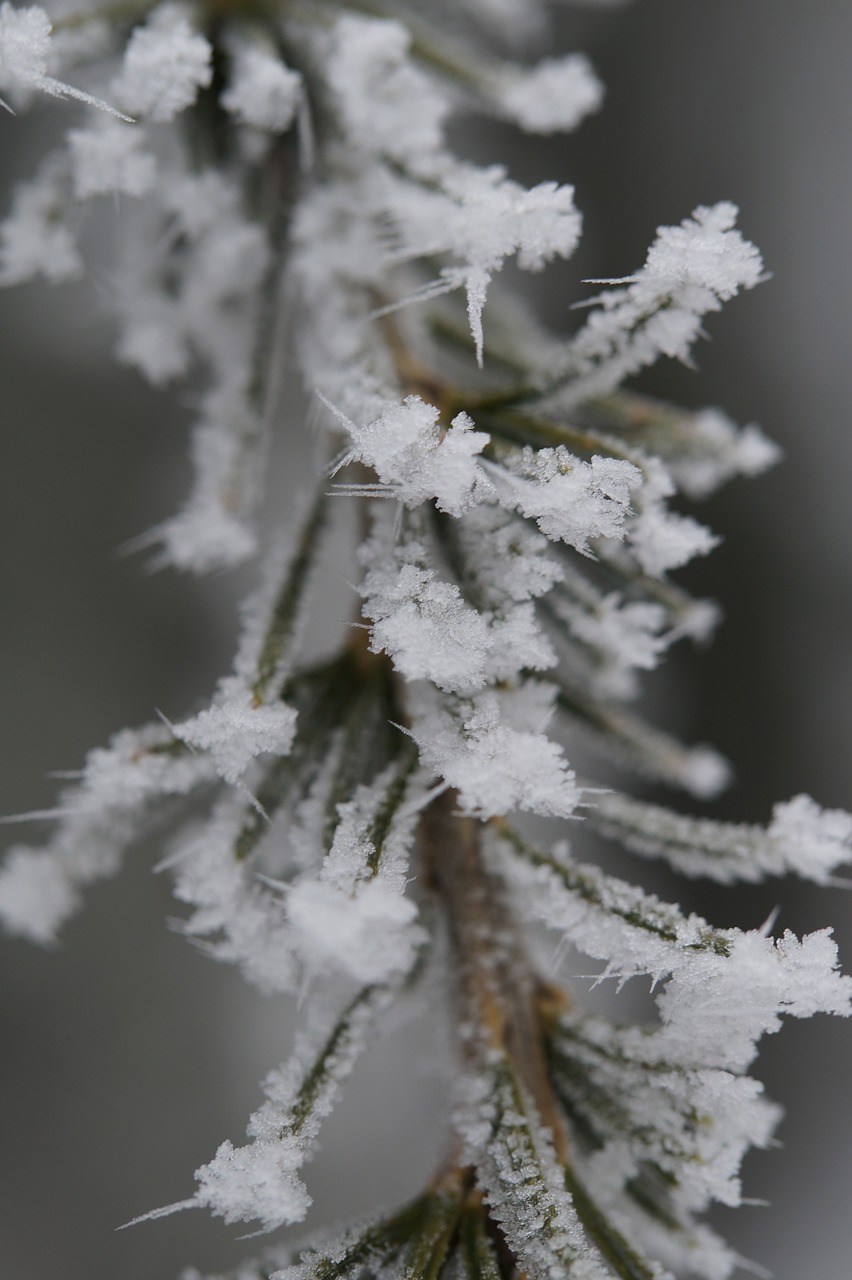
(572, 501)
(484, 218)
(165, 65)
(262, 92)
(427, 630)
(386, 105)
(554, 96)
(119, 787)
(110, 158)
(36, 895)
(366, 934)
(34, 240)
(522, 1180)
(417, 461)
(243, 1183)
(234, 733)
(495, 766)
(24, 53)
(690, 270)
(24, 42)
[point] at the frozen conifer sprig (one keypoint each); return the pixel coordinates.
(287, 189)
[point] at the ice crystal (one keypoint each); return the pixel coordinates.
(262, 92)
(554, 96)
(165, 65)
(25, 51)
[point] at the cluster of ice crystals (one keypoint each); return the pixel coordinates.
(431, 634)
(783, 975)
(109, 157)
(491, 749)
(25, 53)
(354, 918)
(24, 42)
(367, 934)
(234, 731)
(693, 1123)
(809, 839)
(480, 218)
(690, 270)
(722, 452)
(35, 240)
(554, 96)
(507, 560)
(259, 1181)
(262, 91)
(704, 968)
(705, 257)
(386, 105)
(165, 65)
(802, 838)
(662, 539)
(240, 919)
(241, 1184)
(625, 636)
(423, 624)
(416, 460)
(212, 530)
(37, 894)
(571, 501)
(523, 1183)
(119, 786)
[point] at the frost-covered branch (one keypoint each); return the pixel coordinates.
(299, 242)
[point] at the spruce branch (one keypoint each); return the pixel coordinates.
(299, 228)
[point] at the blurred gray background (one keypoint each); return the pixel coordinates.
(125, 1056)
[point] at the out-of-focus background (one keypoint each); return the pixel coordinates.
(125, 1056)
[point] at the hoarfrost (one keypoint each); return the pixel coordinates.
(554, 96)
(417, 460)
(262, 91)
(165, 65)
(235, 732)
(494, 766)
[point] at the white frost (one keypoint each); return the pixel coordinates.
(689, 271)
(235, 731)
(24, 55)
(109, 158)
(494, 766)
(262, 91)
(165, 65)
(416, 460)
(553, 97)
